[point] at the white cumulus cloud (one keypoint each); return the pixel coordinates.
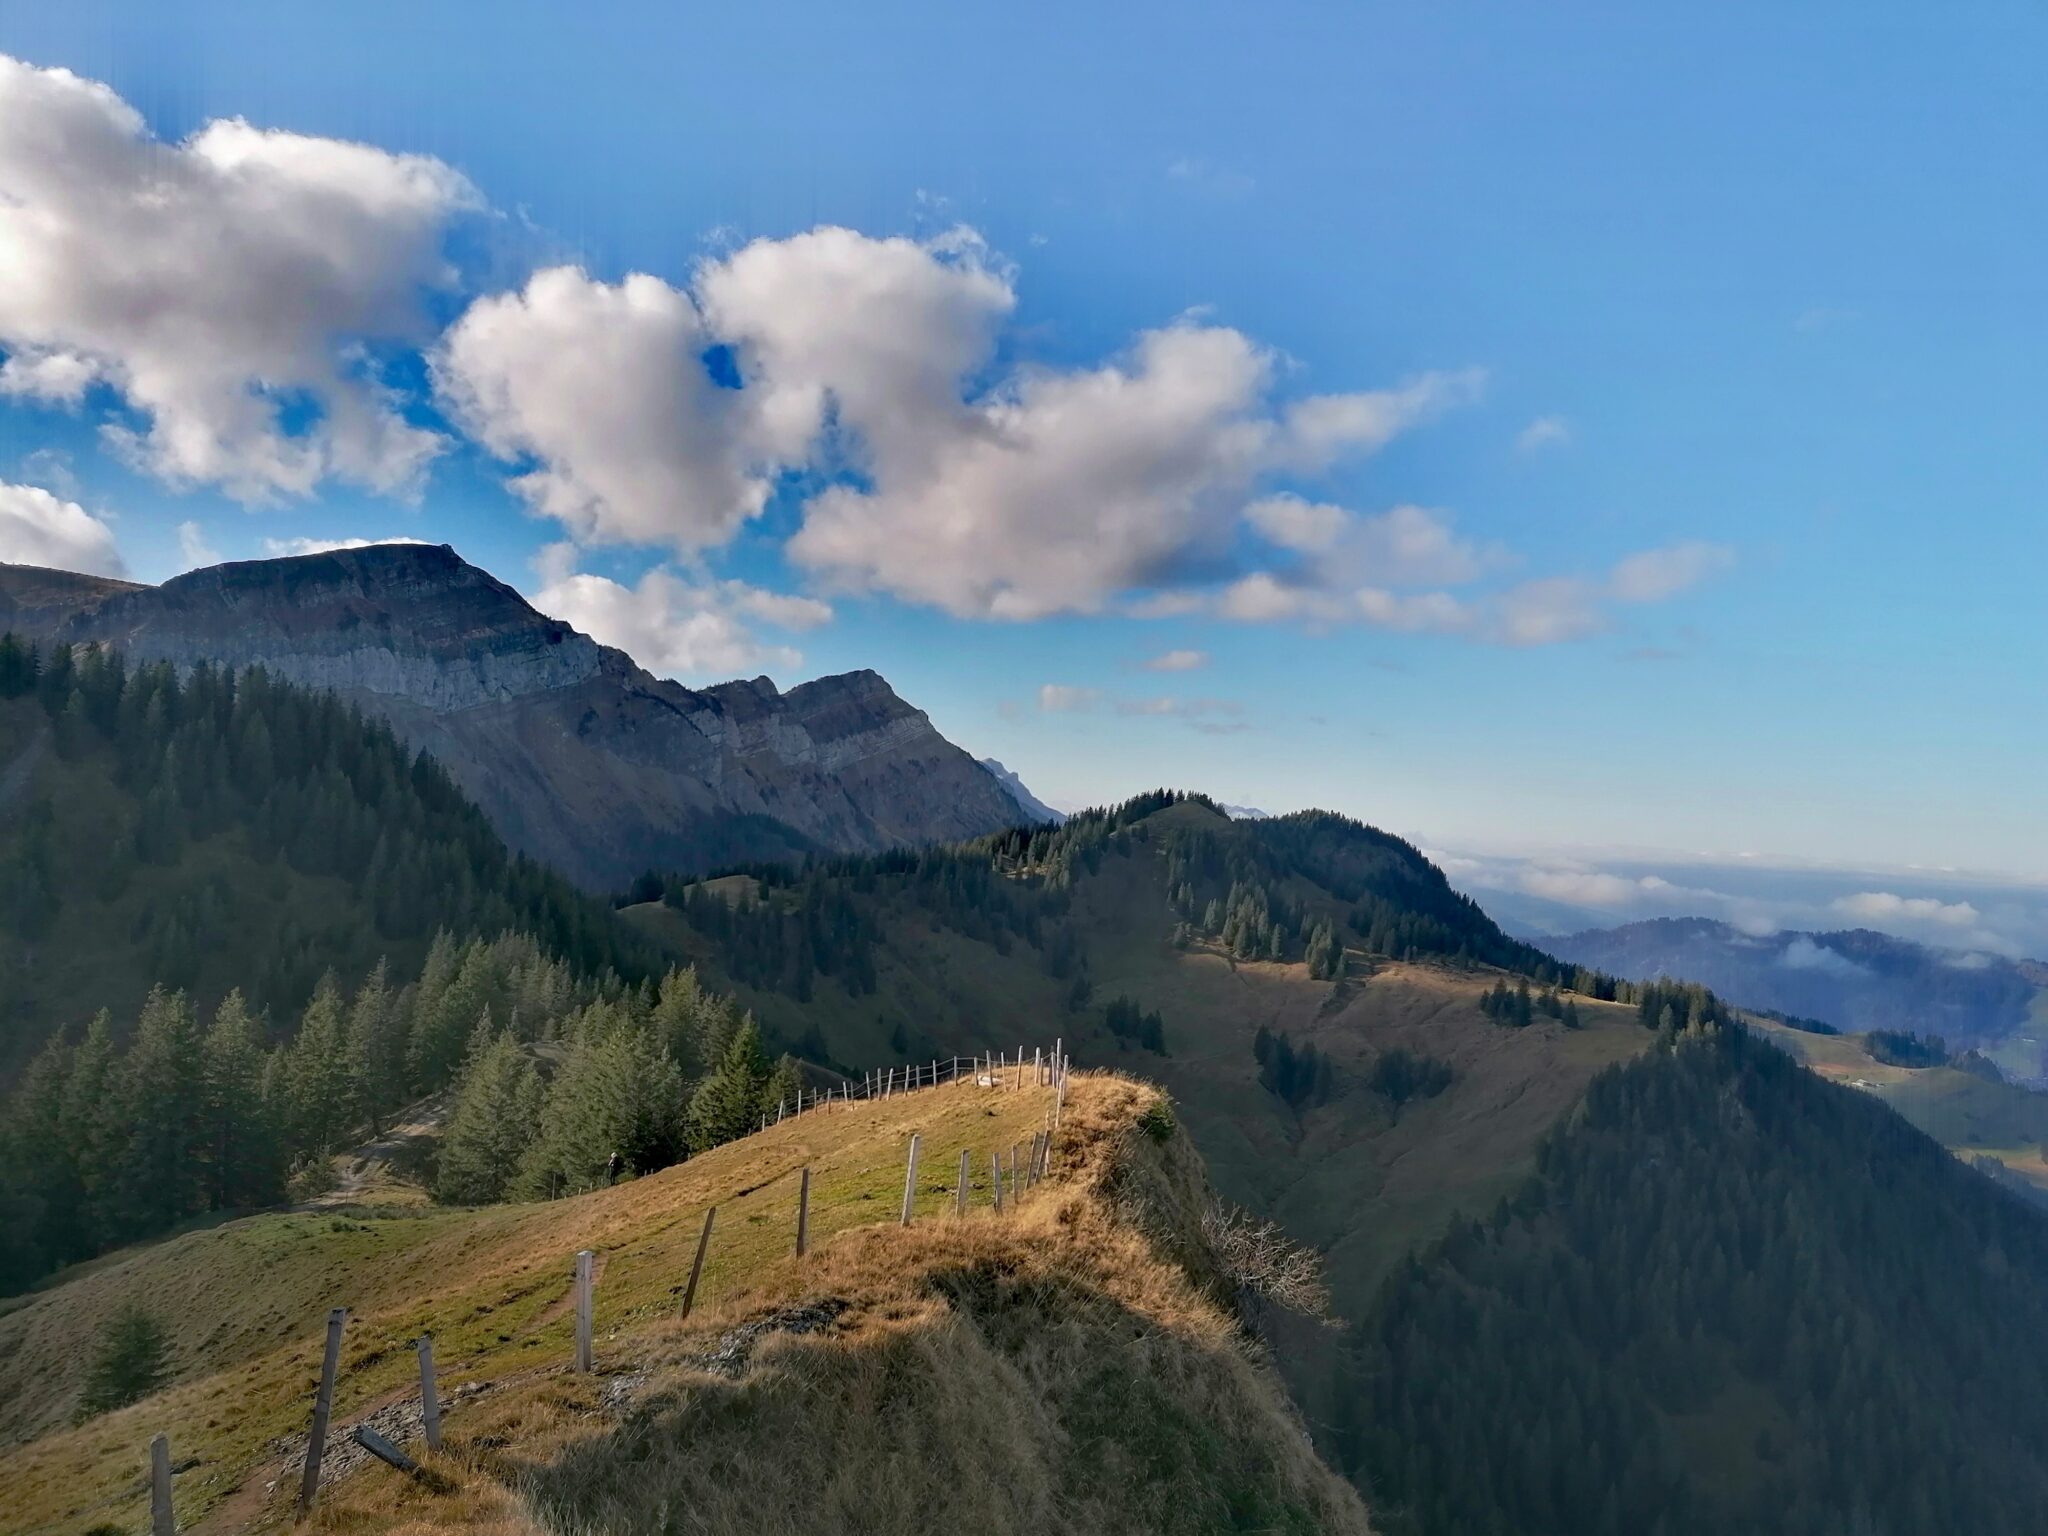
(1177, 661)
(603, 389)
(647, 413)
(1655, 574)
(221, 287)
(37, 528)
(1063, 698)
(193, 547)
(1888, 906)
(280, 548)
(704, 631)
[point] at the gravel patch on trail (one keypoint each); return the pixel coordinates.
(402, 1422)
(736, 1347)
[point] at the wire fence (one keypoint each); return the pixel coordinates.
(994, 1069)
(1013, 1172)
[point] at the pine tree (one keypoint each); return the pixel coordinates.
(244, 1161)
(497, 1104)
(617, 1094)
(317, 1081)
(374, 1046)
(161, 1177)
(92, 1129)
(728, 1103)
(133, 1360)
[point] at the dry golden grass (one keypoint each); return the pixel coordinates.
(1047, 1342)
(1052, 1370)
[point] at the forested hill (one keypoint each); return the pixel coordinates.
(1609, 1263)
(227, 830)
(1734, 1298)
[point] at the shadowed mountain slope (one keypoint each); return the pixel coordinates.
(579, 757)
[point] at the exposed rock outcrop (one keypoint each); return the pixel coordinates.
(579, 756)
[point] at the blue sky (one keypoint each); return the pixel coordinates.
(1705, 350)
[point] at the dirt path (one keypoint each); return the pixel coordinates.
(381, 1165)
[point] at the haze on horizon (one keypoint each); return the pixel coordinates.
(1504, 479)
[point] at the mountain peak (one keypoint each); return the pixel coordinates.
(579, 755)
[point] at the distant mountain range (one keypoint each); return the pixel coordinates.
(1034, 809)
(1856, 980)
(578, 755)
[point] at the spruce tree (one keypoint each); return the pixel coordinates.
(727, 1104)
(497, 1104)
(133, 1360)
(375, 1050)
(161, 1173)
(316, 1074)
(244, 1158)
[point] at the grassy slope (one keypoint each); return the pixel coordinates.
(1026, 1340)
(1349, 1177)
(1966, 1113)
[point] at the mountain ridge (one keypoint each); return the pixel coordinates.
(579, 756)
(1856, 979)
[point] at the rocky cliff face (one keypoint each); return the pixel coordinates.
(579, 756)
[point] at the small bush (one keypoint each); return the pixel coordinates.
(1264, 1264)
(133, 1360)
(1157, 1121)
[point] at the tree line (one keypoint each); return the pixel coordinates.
(192, 782)
(122, 1133)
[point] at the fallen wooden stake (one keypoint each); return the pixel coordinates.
(392, 1456)
(383, 1449)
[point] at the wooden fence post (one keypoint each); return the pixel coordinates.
(697, 1265)
(803, 1214)
(995, 1163)
(960, 1200)
(430, 1395)
(323, 1406)
(1038, 1066)
(584, 1258)
(910, 1181)
(161, 1521)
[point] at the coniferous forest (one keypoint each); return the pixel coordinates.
(1732, 1299)
(559, 1039)
(231, 831)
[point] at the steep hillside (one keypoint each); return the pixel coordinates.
(1999, 1127)
(578, 756)
(1855, 980)
(982, 945)
(1735, 1298)
(1411, 1094)
(229, 831)
(1069, 1364)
